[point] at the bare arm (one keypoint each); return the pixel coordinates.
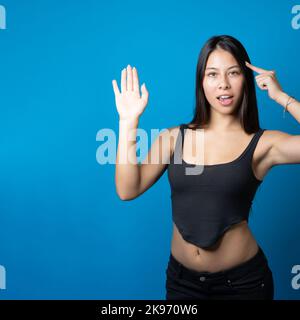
(127, 173)
(285, 147)
(155, 164)
(131, 178)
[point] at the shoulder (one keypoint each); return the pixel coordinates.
(271, 139)
(273, 136)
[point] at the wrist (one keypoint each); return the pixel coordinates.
(282, 98)
(129, 122)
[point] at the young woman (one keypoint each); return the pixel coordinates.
(213, 254)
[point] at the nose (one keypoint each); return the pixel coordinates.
(224, 84)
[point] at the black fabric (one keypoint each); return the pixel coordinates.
(207, 204)
(252, 279)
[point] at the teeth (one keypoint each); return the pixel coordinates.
(224, 97)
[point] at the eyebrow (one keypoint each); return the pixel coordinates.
(227, 69)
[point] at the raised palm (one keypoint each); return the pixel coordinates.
(130, 104)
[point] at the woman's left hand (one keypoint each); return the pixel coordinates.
(266, 80)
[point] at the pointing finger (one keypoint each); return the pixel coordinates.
(256, 69)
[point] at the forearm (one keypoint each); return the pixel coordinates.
(293, 108)
(127, 174)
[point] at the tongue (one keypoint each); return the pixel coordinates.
(226, 101)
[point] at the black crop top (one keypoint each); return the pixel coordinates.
(206, 205)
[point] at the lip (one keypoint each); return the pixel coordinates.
(225, 103)
(230, 95)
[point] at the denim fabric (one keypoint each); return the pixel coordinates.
(250, 280)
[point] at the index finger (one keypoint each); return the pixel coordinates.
(256, 69)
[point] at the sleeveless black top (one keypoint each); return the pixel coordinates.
(206, 205)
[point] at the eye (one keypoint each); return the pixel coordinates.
(236, 72)
(212, 73)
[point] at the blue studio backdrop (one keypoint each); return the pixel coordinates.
(65, 234)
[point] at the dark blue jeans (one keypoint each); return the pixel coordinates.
(251, 280)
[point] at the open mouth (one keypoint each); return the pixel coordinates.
(225, 99)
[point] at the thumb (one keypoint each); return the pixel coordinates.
(144, 91)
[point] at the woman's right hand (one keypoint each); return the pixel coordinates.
(130, 104)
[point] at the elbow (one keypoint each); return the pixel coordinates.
(125, 196)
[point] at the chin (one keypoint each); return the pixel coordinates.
(224, 110)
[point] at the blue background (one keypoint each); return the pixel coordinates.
(64, 233)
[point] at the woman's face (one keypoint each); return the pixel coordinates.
(223, 76)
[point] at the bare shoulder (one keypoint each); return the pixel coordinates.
(268, 140)
(272, 136)
(267, 147)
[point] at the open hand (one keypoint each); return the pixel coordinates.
(130, 104)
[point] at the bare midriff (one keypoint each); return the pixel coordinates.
(234, 247)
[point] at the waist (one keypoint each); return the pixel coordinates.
(257, 262)
(234, 247)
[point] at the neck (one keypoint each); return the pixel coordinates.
(223, 123)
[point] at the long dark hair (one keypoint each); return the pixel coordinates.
(247, 110)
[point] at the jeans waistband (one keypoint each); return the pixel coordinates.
(257, 262)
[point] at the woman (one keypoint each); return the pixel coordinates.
(213, 255)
